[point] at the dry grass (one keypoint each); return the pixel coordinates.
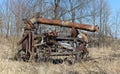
(104, 61)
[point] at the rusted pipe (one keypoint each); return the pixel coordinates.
(65, 24)
(23, 39)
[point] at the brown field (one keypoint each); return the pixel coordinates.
(105, 60)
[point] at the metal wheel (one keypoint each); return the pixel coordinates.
(79, 56)
(21, 55)
(43, 53)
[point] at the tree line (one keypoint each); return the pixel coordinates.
(94, 12)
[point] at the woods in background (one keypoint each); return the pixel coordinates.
(94, 12)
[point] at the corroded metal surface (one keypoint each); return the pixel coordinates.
(65, 24)
(49, 44)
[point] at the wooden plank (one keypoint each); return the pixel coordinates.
(68, 38)
(62, 53)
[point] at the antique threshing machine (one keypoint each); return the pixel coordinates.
(48, 45)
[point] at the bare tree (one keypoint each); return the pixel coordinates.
(83, 11)
(116, 24)
(56, 10)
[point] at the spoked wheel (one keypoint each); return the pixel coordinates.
(79, 55)
(43, 53)
(21, 55)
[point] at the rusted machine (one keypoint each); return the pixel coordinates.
(47, 45)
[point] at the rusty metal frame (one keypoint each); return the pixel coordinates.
(28, 37)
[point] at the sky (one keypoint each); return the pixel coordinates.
(114, 5)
